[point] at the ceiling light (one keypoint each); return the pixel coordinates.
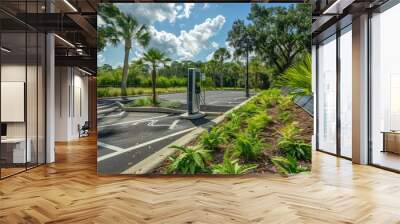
(64, 40)
(5, 49)
(70, 5)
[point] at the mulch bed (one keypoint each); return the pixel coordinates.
(270, 137)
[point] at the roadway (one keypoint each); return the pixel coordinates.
(126, 138)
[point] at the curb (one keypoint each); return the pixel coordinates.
(100, 112)
(156, 159)
(153, 110)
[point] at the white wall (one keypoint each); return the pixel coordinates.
(71, 87)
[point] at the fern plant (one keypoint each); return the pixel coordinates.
(298, 77)
(232, 167)
(248, 146)
(269, 98)
(290, 131)
(284, 103)
(285, 116)
(258, 122)
(287, 165)
(249, 109)
(211, 139)
(190, 160)
(296, 149)
(231, 127)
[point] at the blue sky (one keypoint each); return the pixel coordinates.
(190, 31)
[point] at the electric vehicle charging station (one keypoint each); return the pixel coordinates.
(193, 94)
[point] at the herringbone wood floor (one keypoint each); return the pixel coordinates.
(70, 191)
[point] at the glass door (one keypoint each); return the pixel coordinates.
(327, 95)
(385, 89)
(346, 92)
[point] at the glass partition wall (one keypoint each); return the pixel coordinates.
(345, 61)
(22, 77)
(334, 90)
(385, 89)
(327, 95)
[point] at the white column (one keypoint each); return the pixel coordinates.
(360, 90)
(314, 90)
(50, 99)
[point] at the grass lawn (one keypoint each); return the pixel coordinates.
(267, 134)
(133, 91)
(148, 101)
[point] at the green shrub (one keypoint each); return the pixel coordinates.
(103, 92)
(115, 92)
(170, 104)
(141, 102)
(258, 122)
(229, 166)
(269, 98)
(231, 128)
(211, 139)
(296, 149)
(287, 165)
(140, 91)
(290, 131)
(248, 110)
(284, 103)
(285, 116)
(131, 91)
(248, 146)
(190, 160)
(163, 82)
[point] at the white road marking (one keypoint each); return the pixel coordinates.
(172, 126)
(152, 124)
(115, 115)
(113, 154)
(112, 147)
(133, 121)
(103, 106)
(240, 98)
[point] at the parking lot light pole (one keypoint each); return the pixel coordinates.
(247, 67)
(247, 74)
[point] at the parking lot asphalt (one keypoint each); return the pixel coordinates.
(126, 138)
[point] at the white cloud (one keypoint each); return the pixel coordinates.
(148, 13)
(214, 44)
(186, 10)
(100, 59)
(230, 49)
(210, 56)
(188, 43)
(206, 6)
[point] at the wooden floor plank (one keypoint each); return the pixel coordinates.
(70, 191)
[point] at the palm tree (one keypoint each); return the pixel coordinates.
(220, 55)
(155, 57)
(298, 77)
(120, 27)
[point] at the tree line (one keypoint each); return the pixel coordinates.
(265, 47)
